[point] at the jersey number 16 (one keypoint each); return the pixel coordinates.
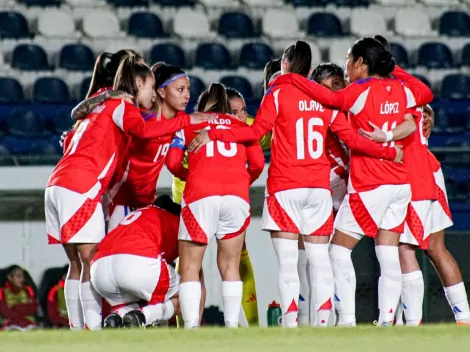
(314, 138)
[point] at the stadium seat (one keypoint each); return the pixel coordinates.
(197, 87)
(145, 25)
(393, 2)
(84, 86)
(219, 4)
(338, 51)
(456, 87)
(455, 24)
(465, 58)
(169, 53)
(324, 24)
(13, 25)
(42, 3)
(61, 122)
(236, 25)
(411, 22)
(308, 3)
(101, 24)
(239, 83)
(435, 55)
(365, 23)
(280, 23)
(50, 278)
(10, 91)
(255, 55)
(212, 56)
(76, 57)
(351, 3)
(55, 23)
(51, 90)
(128, 3)
(191, 24)
(440, 3)
(25, 122)
(441, 121)
(263, 3)
(175, 3)
(423, 79)
(400, 55)
(29, 57)
(6, 158)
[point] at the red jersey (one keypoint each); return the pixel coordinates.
(433, 162)
(337, 156)
(298, 158)
(218, 168)
(381, 101)
(147, 232)
(91, 156)
(134, 183)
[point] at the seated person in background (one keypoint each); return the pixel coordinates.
(56, 307)
(18, 303)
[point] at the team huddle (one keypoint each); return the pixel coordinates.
(347, 161)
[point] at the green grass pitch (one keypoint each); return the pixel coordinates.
(430, 338)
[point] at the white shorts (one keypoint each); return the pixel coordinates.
(116, 214)
(364, 213)
(418, 224)
(441, 216)
(304, 211)
(72, 217)
(223, 216)
(127, 278)
(338, 189)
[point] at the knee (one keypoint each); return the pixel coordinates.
(434, 252)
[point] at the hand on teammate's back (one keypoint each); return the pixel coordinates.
(199, 141)
(199, 117)
(376, 134)
(119, 94)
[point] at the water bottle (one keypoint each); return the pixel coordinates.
(274, 314)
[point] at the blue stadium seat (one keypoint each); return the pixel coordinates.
(76, 57)
(309, 3)
(236, 25)
(213, 56)
(456, 87)
(29, 57)
(10, 90)
(197, 87)
(465, 61)
(467, 119)
(61, 122)
(255, 55)
(51, 90)
(441, 120)
(30, 145)
(84, 86)
(175, 3)
(423, 79)
(42, 2)
(239, 83)
(455, 24)
(128, 3)
(324, 24)
(13, 25)
(169, 53)
(145, 25)
(435, 55)
(400, 55)
(26, 123)
(350, 3)
(5, 156)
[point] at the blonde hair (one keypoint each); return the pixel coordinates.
(214, 99)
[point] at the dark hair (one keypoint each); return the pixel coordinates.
(233, 93)
(327, 70)
(378, 60)
(382, 40)
(164, 72)
(105, 69)
(214, 99)
(273, 66)
(128, 71)
(299, 58)
(167, 204)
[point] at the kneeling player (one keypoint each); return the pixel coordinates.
(131, 266)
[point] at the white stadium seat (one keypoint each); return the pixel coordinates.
(188, 23)
(56, 23)
(442, 3)
(339, 51)
(395, 2)
(86, 3)
(366, 23)
(224, 4)
(279, 23)
(263, 3)
(413, 23)
(101, 24)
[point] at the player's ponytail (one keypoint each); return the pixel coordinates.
(214, 99)
(298, 58)
(379, 61)
(271, 70)
(128, 71)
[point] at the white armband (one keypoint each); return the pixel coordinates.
(389, 136)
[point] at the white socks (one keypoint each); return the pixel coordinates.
(322, 280)
(74, 307)
(190, 299)
(232, 292)
(121, 311)
(304, 296)
(91, 305)
(289, 286)
(345, 284)
(158, 312)
(390, 283)
(412, 295)
(457, 298)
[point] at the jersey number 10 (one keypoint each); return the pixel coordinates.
(315, 151)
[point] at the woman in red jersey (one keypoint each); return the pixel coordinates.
(215, 203)
(298, 198)
(74, 215)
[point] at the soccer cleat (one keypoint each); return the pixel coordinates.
(134, 319)
(112, 321)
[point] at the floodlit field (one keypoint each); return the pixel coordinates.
(442, 338)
